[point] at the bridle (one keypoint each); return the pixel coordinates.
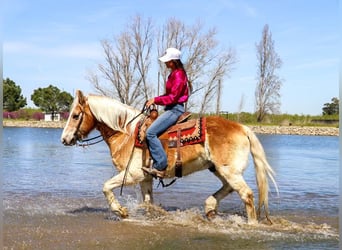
(88, 142)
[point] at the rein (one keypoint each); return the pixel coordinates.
(87, 142)
(130, 158)
(141, 112)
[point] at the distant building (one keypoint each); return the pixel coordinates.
(48, 117)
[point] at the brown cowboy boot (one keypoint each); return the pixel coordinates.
(154, 172)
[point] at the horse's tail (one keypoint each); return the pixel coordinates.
(263, 170)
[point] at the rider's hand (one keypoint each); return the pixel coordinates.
(149, 102)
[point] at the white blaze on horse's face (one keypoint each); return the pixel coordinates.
(70, 132)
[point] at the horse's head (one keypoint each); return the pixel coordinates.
(80, 121)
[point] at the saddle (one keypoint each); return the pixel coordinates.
(184, 132)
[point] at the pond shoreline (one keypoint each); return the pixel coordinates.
(264, 129)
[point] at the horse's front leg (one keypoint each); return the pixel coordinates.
(133, 177)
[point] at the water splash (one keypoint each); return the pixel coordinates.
(233, 225)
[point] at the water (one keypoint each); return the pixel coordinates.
(42, 178)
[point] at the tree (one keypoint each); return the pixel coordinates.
(267, 92)
(128, 62)
(52, 100)
(12, 98)
(331, 108)
(206, 64)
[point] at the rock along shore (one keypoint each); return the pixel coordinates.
(295, 130)
(33, 124)
(273, 130)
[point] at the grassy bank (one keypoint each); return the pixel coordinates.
(285, 119)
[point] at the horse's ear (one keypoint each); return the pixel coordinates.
(80, 96)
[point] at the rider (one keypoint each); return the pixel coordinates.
(177, 93)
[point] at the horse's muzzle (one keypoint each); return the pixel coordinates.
(68, 143)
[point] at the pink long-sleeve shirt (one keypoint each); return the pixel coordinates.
(177, 91)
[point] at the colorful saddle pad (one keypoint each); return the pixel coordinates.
(188, 134)
(191, 132)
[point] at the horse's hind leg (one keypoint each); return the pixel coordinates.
(212, 203)
(239, 185)
(247, 197)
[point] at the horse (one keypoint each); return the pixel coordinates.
(224, 152)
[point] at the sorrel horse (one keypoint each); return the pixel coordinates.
(225, 152)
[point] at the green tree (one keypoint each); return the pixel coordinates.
(52, 100)
(331, 108)
(12, 98)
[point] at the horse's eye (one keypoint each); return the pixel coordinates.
(75, 117)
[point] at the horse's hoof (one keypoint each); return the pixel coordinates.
(211, 215)
(252, 222)
(123, 212)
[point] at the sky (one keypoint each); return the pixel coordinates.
(59, 42)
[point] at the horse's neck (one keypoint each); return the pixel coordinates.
(116, 124)
(114, 114)
(120, 145)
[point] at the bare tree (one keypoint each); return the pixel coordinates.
(127, 64)
(128, 61)
(218, 97)
(206, 65)
(241, 104)
(213, 86)
(267, 92)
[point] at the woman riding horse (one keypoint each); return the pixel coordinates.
(177, 93)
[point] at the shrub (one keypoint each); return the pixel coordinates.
(64, 115)
(23, 114)
(6, 114)
(11, 115)
(38, 116)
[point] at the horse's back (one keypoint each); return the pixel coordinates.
(221, 127)
(216, 127)
(226, 140)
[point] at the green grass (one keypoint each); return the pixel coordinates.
(285, 119)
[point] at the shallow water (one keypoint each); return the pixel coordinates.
(44, 179)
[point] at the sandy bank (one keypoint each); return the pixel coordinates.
(33, 124)
(283, 130)
(295, 130)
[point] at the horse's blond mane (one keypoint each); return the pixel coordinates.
(113, 113)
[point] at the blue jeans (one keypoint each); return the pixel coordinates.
(158, 127)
